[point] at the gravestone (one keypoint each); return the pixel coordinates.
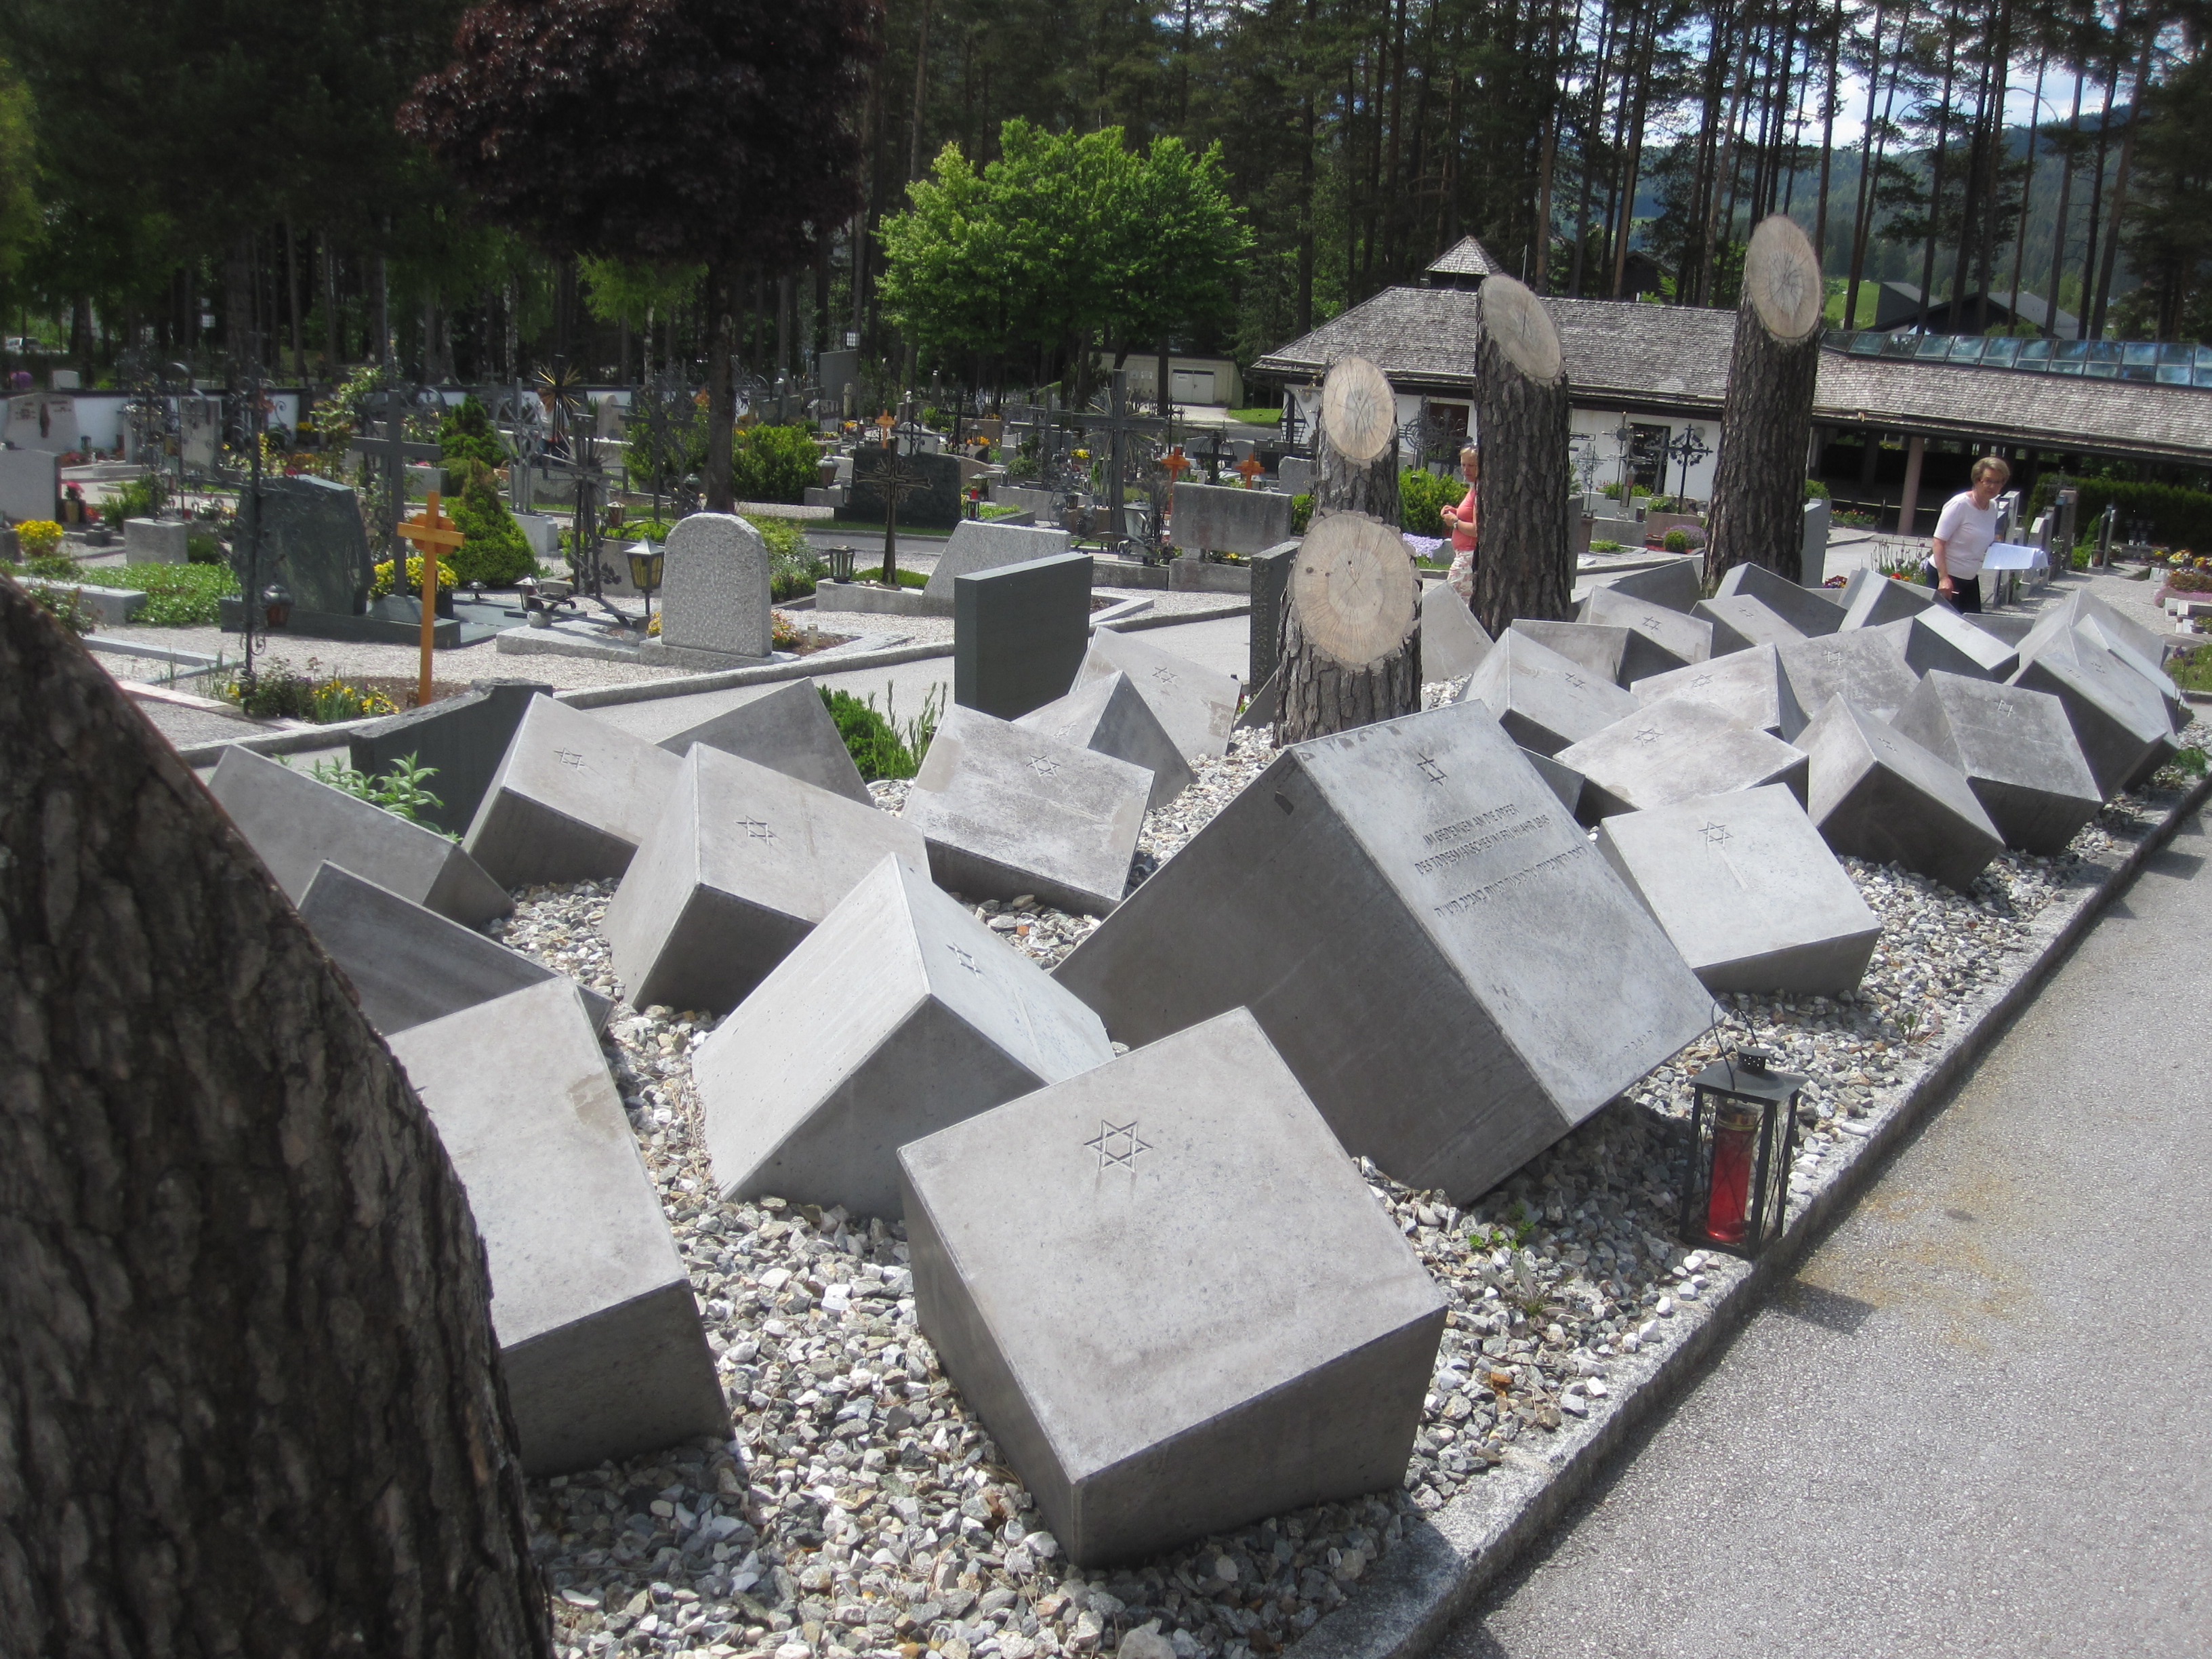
(2116, 713)
(1676, 585)
(1019, 633)
(1677, 749)
(1741, 622)
(1748, 892)
(786, 728)
(1221, 518)
(312, 541)
(1614, 655)
(1877, 795)
(1453, 644)
(1544, 700)
(1254, 1336)
(1008, 812)
(573, 798)
(1474, 981)
(1106, 716)
(1871, 599)
(600, 1337)
(714, 593)
(900, 1014)
(30, 484)
(1813, 547)
(1195, 703)
(409, 965)
(1264, 706)
(740, 864)
(976, 546)
(2017, 749)
(297, 824)
(937, 504)
(1687, 638)
(1808, 610)
(462, 739)
(1866, 664)
(156, 541)
(199, 427)
(1270, 578)
(1296, 475)
(1747, 686)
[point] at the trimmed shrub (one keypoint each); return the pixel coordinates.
(496, 553)
(2179, 517)
(774, 463)
(1422, 497)
(465, 436)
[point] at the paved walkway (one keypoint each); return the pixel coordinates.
(1976, 1424)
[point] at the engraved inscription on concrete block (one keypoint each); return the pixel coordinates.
(785, 727)
(1107, 717)
(1253, 1336)
(1195, 703)
(899, 1015)
(2017, 749)
(1543, 699)
(1614, 655)
(1747, 686)
(1879, 796)
(1807, 610)
(1742, 621)
(571, 800)
(1676, 749)
(1453, 644)
(975, 545)
(713, 594)
(1688, 638)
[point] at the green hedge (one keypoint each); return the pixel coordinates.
(177, 595)
(1422, 497)
(2178, 517)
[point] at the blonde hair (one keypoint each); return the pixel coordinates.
(1988, 463)
(1471, 455)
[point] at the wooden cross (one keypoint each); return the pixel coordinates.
(430, 534)
(1251, 468)
(1175, 463)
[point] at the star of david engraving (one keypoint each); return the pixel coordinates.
(756, 829)
(1167, 676)
(1649, 734)
(963, 959)
(1431, 771)
(1577, 681)
(1044, 768)
(1117, 1145)
(569, 758)
(1716, 835)
(1701, 681)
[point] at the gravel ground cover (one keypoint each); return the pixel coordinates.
(860, 1508)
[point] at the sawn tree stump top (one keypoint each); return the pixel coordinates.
(1354, 589)
(1517, 321)
(1358, 410)
(1782, 276)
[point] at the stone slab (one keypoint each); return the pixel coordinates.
(1747, 686)
(409, 965)
(1943, 639)
(30, 484)
(1566, 783)
(1677, 584)
(1106, 716)
(462, 740)
(938, 505)
(1254, 1335)
(1008, 812)
(713, 587)
(156, 541)
(1196, 704)
(1677, 749)
(1453, 644)
(1019, 633)
(739, 867)
(976, 546)
(1807, 610)
(1687, 637)
(1866, 665)
(1424, 933)
(1614, 655)
(866, 598)
(573, 798)
(1875, 794)
(365, 627)
(598, 1334)
(2017, 749)
(1271, 576)
(1542, 699)
(1295, 474)
(786, 728)
(1224, 518)
(312, 540)
(2117, 716)
(1747, 890)
(1871, 599)
(111, 607)
(1263, 706)
(899, 1015)
(297, 825)
(1741, 622)
(1190, 574)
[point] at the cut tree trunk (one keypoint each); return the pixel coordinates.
(250, 1395)
(1758, 482)
(1525, 562)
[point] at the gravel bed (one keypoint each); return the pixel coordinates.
(861, 1508)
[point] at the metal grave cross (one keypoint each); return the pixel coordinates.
(896, 480)
(1250, 468)
(431, 534)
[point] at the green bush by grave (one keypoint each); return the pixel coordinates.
(400, 791)
(1676, 540)
(138, 498)
(774, 463)
(2177, 517)
(177, 595)
(1422, 497)
(202, 548)
(1301, 512)
(878, 746)
(1815, 490)
(495, 554)
(465, 436)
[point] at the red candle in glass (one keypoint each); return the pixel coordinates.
(1735, 1150)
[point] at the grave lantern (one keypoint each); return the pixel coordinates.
(840, 564)
(1743, 1137)
(276, 603)
(646, 562)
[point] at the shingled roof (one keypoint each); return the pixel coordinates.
(1674, 360)
(1466, 258)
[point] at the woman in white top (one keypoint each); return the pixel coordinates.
(1963, 534)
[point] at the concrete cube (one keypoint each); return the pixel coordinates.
(1747, 686)
(785, 727)
(1939, 639)
(1544, 700)
(1566, 783)
(1687, 637)
(461, 739)
(1019, 633)
(1425, 934)
(1870, 599)
(409, 965)
(573, 798)
(2117, 715)
(1453, 644)
(599, 1335)
(2017, 749)
(1008, 812)
(1749, 893)
(297, 824)
(156, 541)
(1741, 622)
(1107, 716)
(1878, 795)
(975, 545)
(2121, 645)
(1866, 664)
(1807, 610)
(1677, 749)
(1195, 703)
(1678, 583)
(1614, 655)
(741, 864)
(1253, 1334)
(899, 1015)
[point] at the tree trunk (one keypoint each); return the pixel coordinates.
(1525, 565)
(250, 1398)
(333, 352)
(1758, 482)
(721, 393)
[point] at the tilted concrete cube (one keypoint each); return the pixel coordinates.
(409, 965)
(1875, 794)
(1940, 640)
(2121, 645)
(2117, 715)
(1424, 933)
(461, 739)
(1807, 610)
(1614, 655)
(297, 824)
(573, 798)
(1544, 700)
(1678, 584)
(1690, 638)
(899, 1015)
(2017, 749)
(1250, 1334)
(1195, 703)
(1673, 750)
(1741, 622)
(1747, 890)
(599, 1335)
(741, 864)
(1107, 717)
(1747, 686)
(1566, 783)
(1870, 599)
(975, 545)
(1019, 633)
(1008, 812)
(1866, 664)
(784, 727)
(1453, 644)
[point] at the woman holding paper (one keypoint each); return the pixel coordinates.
(1963, 534)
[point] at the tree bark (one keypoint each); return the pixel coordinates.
(250, 1396)
(1758, 482)
(1525, 566)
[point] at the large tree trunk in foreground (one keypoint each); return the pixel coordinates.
(1525, 562)
(1351, 659)
(1767, 428)
(250, 1402)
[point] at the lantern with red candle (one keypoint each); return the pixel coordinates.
(1743, 1136)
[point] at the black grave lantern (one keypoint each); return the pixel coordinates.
(645, 561)
(1743, 1138)
(840, 564)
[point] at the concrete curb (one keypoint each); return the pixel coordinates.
(1446, 1560)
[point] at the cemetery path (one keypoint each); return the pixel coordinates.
(1973, 1422)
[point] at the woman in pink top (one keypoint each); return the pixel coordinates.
(1963, 534)
(1462, 519)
